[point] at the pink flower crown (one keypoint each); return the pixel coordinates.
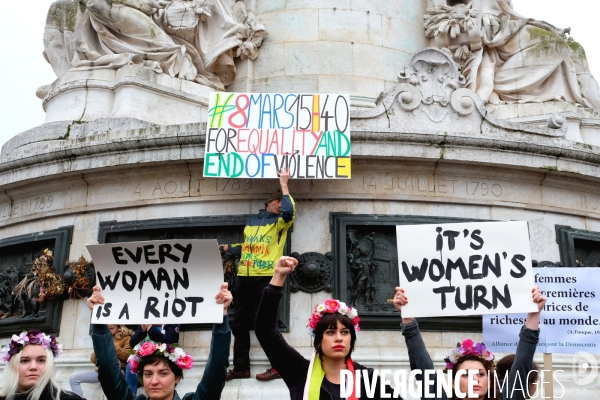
(149, 348)
(30, 337)
(331, 306)
(467, 347)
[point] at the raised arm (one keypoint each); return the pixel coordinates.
(418, 356)
(523, 363)
(288, 207)
(213, 380)
(112, 381)
(286, 360)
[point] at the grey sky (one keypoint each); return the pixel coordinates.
(24, 68)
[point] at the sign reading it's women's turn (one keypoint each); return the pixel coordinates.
(254, 135)
(471, 268)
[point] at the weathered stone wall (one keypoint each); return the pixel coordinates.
(333, 46)
(395, 187)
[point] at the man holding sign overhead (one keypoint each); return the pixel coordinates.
(265, 236)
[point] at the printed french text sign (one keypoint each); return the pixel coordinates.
(570, 321)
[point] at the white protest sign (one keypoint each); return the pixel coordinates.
(570, 322)
(253, 135)
(158, 282)
(470, 268)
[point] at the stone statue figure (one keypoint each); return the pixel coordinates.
(508, 58)
(195, 40)
(363, 268)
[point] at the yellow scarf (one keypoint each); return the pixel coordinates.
(315, 375)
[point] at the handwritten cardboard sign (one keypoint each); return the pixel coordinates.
(158, 282)
(471, 268)
(570, 321)
(253, 135)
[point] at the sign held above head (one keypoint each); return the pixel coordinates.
(472, 268)
(158, 282)
(255, 135)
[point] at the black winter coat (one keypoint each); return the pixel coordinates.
(285, 359)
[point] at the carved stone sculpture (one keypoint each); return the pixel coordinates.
(508, 58)
(195, 40)
(431, 84)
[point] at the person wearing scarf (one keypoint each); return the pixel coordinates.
(334, 326)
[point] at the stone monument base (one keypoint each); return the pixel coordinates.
(87, 95)
(583, 124)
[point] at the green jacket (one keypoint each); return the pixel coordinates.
(114, 385)
(265, 235)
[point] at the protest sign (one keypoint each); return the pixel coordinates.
(253, 135)
(570, 322)
(470, 268)
(158, 282)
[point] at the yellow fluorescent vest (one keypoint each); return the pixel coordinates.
(265, 235)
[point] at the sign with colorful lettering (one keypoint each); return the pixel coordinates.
(473, 268)
(254, 135)
(158, 282)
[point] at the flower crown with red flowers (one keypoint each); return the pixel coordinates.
(467, 347)
(331, 306)
(149, 348)
(32, 336)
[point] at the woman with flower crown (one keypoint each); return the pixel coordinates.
(160, 366)
(333, 325)
(474, 356)
(30, 372)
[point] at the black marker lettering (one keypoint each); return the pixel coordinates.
(151, 303)
(109, 281)
(148, 254)
(475, 236)
(178, 312)
(164, 250)
(124, 311)
(522, 270)
(194, 301)
(443, 290)
(163, 276)
(185, 250)
(138, 255)
(117, 254)
(129, 285)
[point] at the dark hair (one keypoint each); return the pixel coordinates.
(504, 365)
(487, 365)
(330, 321)
(156, 359)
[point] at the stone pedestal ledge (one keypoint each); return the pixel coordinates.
(129, 91)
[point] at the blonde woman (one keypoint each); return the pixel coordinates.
(30, 373)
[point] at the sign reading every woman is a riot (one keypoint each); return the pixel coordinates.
(254, 135)
(163, 281)
(470, 268)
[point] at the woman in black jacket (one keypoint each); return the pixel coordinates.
(334, 326)
(30, 372)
